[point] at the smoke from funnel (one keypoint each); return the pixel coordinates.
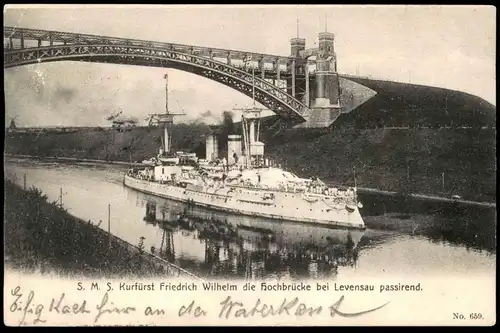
(227, 128)
(227, 122)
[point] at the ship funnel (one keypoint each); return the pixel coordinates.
(212, 148)
(257, 148)
(233, 147)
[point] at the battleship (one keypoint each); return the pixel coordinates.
(246, 183)
(254, 232)
(249, 246)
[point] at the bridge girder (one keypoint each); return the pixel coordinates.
(76, 38)
(269, 95)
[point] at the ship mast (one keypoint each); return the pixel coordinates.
(166, 119)
(166, 137)
(249, 120)
(253, 86)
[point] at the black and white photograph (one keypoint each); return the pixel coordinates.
(285, 149)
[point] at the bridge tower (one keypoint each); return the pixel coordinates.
(296, 83)
(322, 86)
(297, 44)
(327, 90)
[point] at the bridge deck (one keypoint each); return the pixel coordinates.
(70, 37)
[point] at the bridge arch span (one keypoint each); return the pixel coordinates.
(269, 95)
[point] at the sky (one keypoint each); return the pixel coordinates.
(446, 46)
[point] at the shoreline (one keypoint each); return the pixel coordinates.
(46, 238)
(73, 159)
(362, 190)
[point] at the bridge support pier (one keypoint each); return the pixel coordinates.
(306, 72)
(22, 40)
(262, 69)
(320, 117)
(278, 76)
(39, 43)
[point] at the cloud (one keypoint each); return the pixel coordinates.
(64, 94)
(206, 114)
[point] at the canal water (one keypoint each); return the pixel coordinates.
(215, 245)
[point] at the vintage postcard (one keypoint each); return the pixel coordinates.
(250, 165)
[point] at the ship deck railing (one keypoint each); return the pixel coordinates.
(257, 187)
(292, 190)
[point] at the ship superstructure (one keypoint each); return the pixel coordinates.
(245, 182)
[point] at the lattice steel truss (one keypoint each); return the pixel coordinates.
(108, 50)
(75, 38)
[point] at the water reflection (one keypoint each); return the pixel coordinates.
(453, 223)
(418, 241)
(470, 228)
(475, 230)
(252, 248)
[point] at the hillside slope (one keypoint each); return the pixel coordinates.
(397, 160)
(404, 104)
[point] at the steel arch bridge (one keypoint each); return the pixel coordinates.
(89, 48)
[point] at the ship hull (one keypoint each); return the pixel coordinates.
(286, 234)
(284, 206)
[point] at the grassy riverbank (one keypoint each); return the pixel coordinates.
(42, 237)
